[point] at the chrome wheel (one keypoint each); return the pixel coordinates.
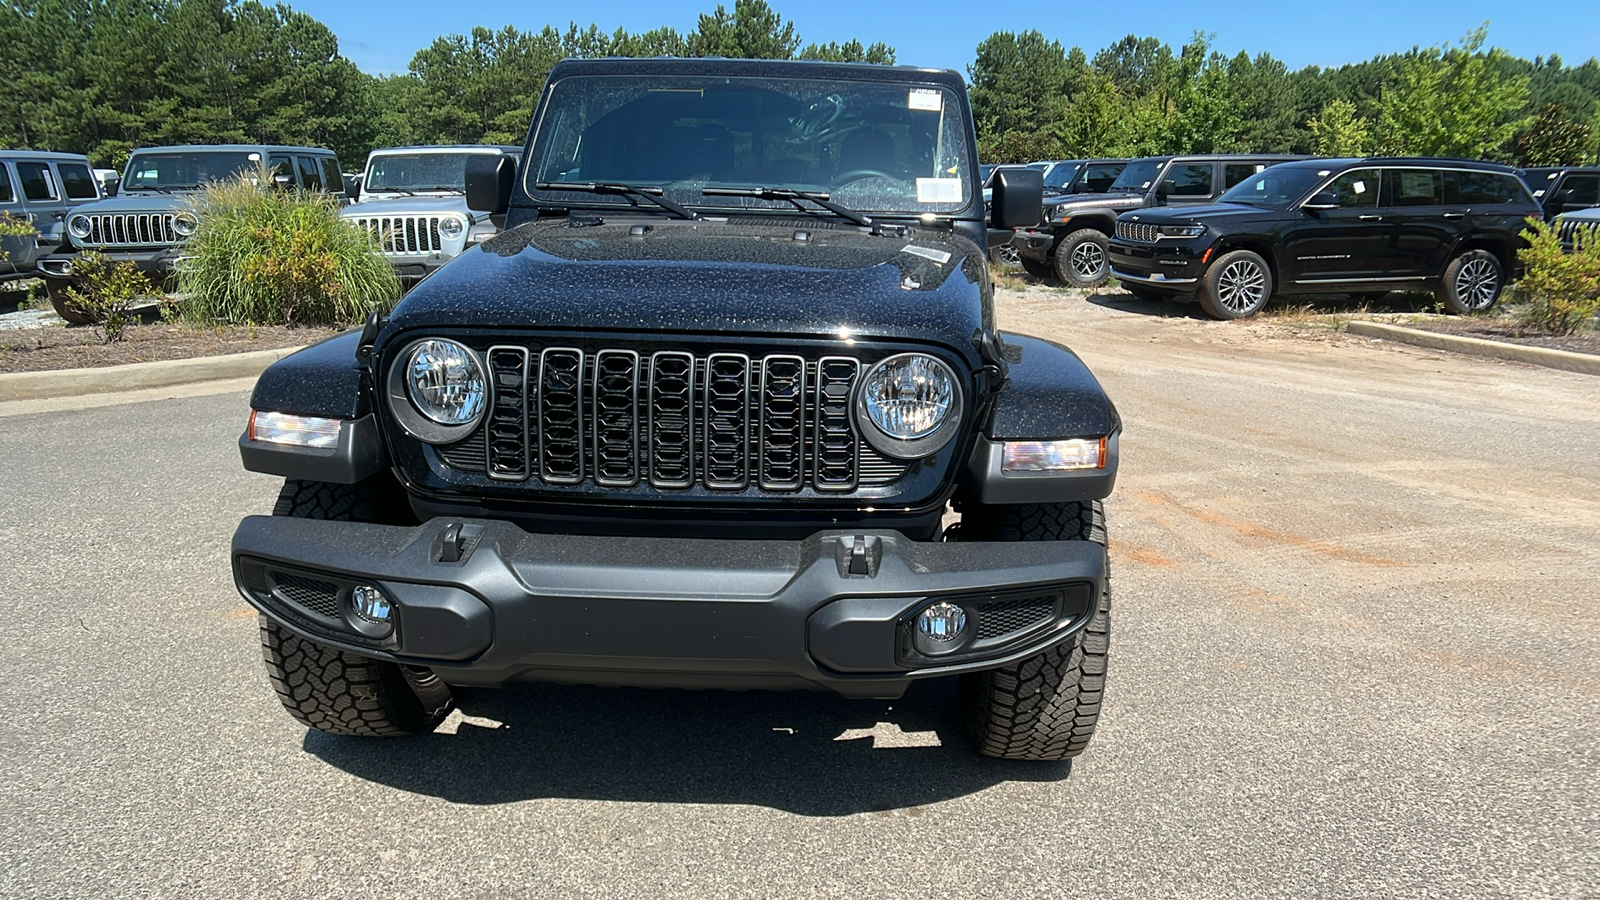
(1242, 286)
(1088, 260)
(1478, 284)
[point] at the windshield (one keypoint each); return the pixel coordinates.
(1060, 175)
(873, 147)
(186, 169)
(416, 172)
(1276, 187)
(1138, 176)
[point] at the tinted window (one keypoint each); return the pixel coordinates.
(1190, 180)
(1233, 173)
(6, 194)
(1356, 189)
(331, 176)
(1413, 187)
(78, 181)
(36, 181)
(310, 176)
(281, 165)
(1480, 188)
(1060, 175)
(1099, 178)
(1137, 176)
(1579, 190)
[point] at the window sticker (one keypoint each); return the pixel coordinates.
(938, 190)
(1359, 187)
(922, 98)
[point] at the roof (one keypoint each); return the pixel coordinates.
(43, 154)
(263, 148)
(1213, 157)
(758, 68)
(1432, 161)
(457, 148)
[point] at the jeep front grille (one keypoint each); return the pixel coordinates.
(1567, 229)
(1135, 231)
(672, 419)
(403, 235)
(131, 230)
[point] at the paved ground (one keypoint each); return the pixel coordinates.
(1357, 653)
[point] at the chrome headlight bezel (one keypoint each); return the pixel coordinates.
(185, 224)
(917, 444)
(408, 409)
(78, 226)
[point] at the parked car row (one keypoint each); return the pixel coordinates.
(1230, 231)
(40, 189)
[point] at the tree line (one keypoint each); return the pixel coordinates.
(104, 76)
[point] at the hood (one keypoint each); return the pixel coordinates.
(135, 203)
(748, 277)
(1092, 201)
(1213, 212)
(401, 205)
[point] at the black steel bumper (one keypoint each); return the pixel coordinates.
(1035, 243)
(833, 611)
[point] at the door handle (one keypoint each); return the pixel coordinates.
(1454, 215)
(1369, 218)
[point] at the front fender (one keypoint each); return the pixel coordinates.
(1048, 394)
(323, 380)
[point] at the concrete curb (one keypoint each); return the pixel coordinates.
(133, 376)
(1585, 363)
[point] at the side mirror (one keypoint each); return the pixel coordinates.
(1322, 200)
(352, 185)
(1164, 190)
(490, 180)
(1017, 198)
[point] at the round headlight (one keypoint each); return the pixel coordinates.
(445, 382)
(79, 226)
(451, 227)
(185, 224)
(910, 405)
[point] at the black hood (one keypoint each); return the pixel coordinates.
(772, 276)
(1211, 212)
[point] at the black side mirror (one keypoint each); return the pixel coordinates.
(352, 185)
(1017, 198)
(490, 180)
(1164, 190)
(1322, 200)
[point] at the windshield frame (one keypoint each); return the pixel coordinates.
(250, 158)
(950, 138)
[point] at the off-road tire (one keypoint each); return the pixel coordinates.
(1472, 283)
(333, 690)
(1044, 707)
(1236, 286)
(69, 312)
(1038, 268)
(1080, 260)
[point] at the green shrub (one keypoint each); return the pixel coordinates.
(262, 257)
(105, 292)
(1562, 289)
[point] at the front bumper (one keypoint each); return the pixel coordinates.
(158, 263)
(832, 611)
(1035, 243)
(1163, 266)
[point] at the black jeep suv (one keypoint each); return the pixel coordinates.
(703, 415)
(1356, 226)
(1069, 243)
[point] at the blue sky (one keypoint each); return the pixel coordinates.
(944, 33)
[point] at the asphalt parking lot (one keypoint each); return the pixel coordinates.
(1356, 653)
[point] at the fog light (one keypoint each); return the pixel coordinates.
(1054, 456)
(371, 613)
(941, 628)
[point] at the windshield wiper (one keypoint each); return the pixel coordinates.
(441, 187)
(820, 198)
(647, 192)
(391, 190)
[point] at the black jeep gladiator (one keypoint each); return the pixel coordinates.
(724, 405)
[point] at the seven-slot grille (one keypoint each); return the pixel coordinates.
(403, 235)
(131, 230)
(1567, 228)
(673, 420)
(1137, 231)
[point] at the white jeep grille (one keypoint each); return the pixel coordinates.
(403, 235)
(131, 230)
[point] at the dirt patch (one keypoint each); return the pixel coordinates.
(1506, 329)
(42, 349)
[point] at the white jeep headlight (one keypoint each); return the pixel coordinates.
(451, 227)
(79, 226)
(185, 223)
(445, 382)
(909, 405)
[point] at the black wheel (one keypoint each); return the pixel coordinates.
(333, 690)
(1080, 258)
(1038, 268)
(1044, 707)
(1472, 283)
(65, 308)
(1006, 255)
(1237, 286)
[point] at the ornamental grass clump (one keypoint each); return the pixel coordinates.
(264, 257)
(1561, 286)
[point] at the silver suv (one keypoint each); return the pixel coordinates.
(413, 202)
(42, 188)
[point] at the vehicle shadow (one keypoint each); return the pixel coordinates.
(1123, 301)
(809, 754)
(1307, 304)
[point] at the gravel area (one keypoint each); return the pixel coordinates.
(57, 346)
